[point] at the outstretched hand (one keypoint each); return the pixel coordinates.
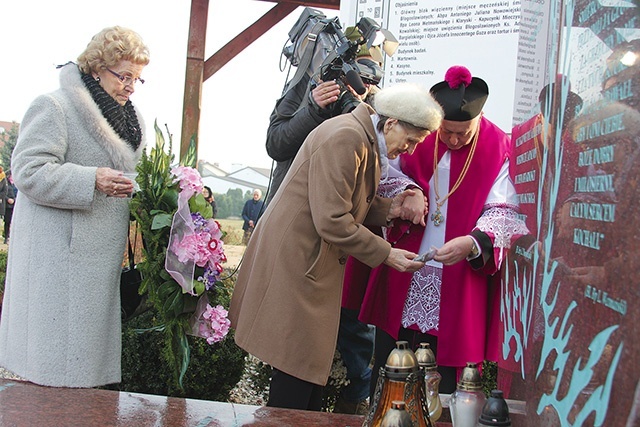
(402, 261)
(455, 250)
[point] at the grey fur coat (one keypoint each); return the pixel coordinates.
(60, 322)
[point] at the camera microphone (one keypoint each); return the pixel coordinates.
(354, 80)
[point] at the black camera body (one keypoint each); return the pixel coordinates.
(340, 65)
(342, 58)
(346, 102)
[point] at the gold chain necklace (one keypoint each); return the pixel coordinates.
(437, 216)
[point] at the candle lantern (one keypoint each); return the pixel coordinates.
(397, 416)
(495, 411)
(427, 362)
(400, 380)
(468, 399)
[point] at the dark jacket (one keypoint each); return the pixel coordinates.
(251, 212)
(11, 194)
(214, 208)
(4, 188)
(287, 131)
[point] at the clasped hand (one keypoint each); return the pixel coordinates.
(113, 183)
(410, 205)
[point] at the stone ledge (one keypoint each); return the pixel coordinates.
(27, 404)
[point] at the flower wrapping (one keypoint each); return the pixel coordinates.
(194, 240)
(182, 229)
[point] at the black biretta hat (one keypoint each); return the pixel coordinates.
(573, 101)
(462, 96)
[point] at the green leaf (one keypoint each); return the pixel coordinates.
(173, 305)
(198, 287)
(166, 289)
(159, 135)
(170, 198)
(161, 220)
(190, 303)
(186, 356)
(165, 275)
(190, 158)
(178, 307)
(200, 205)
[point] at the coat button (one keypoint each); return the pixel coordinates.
(369, 199)
(343, 260)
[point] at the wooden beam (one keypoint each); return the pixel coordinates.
(194, 72)
(198, 70)
(245, 38)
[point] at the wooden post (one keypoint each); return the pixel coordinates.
(194, 73)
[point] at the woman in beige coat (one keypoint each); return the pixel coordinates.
(286, 303)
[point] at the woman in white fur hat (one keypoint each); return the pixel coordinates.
(286, 303)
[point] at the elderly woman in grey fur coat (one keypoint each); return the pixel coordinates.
(60, 322)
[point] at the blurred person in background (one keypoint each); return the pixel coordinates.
(251, 212)
(208, 196)
(10, 202)
(4, 195)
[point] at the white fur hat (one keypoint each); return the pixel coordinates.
(411, 103)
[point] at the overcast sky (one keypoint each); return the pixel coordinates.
(236, 101)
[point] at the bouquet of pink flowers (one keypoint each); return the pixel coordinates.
(183, 253)
(195, 253)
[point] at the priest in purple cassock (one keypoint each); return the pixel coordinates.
(453, 301)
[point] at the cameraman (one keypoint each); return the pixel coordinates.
(302, 109)
(296, 114)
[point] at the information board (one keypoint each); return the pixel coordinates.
(434, 35)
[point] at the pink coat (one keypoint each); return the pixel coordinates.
(469, 316)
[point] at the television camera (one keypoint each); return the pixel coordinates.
(320, 48)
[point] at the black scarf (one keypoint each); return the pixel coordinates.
(123, 119)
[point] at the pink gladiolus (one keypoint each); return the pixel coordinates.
(216, 325)
(192, 248)
(202, 247)
(189, 178)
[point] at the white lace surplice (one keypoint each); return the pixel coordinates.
(499, 220)
(422, 306)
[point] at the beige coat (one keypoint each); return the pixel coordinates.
(286, 304)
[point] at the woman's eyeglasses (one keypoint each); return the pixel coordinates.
(126, 80)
